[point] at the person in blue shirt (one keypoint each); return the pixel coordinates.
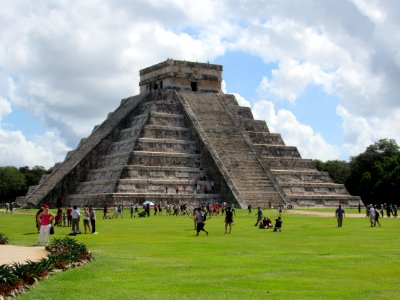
(339, 215)
(259, 216)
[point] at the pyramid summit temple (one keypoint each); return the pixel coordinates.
(182, 140)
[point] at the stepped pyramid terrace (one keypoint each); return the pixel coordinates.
(181, 132)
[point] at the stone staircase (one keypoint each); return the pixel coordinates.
(153, 155)
(76, 161)
(240, 165)
(300, 181)
(182, 131)
(155, 142)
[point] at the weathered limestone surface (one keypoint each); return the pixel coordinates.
(237, 161)
(181, 131)
(76, 158)
(300, 181)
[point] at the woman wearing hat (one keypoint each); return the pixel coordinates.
(45, 218)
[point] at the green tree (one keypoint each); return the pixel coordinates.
(33, 176)
(12, 183)
(338, 170)
(374, 173)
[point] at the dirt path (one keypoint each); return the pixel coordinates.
(10, 254)
(322, 214)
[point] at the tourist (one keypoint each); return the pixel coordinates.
(69, 217)
(280, 209)
(377, 217)
(266, 223)
(58, 217)
(259, 216)
(119, 210)
(92, 215)
(132, 209)
(105, 212)
(45, 218)
(11, 207)
(75, 218)
(249, 208)
(64, 217)
(200, 220)
(86, 219)
(115, 215)
(278, 224)
(228, 220)
(155, 209)
(339, 213)
(7, 207)
(37, 219)
(372, 215)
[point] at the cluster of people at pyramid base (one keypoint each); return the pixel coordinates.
(263, 222)
(71, 216)
(374, 212)
(183, 209)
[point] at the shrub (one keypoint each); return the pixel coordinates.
(63, 254)
(3, 239)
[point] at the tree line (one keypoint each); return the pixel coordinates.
(374, 175)
(15, 182)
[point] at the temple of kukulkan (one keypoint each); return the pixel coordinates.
(182, 140)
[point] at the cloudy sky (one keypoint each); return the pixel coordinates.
(324, 74)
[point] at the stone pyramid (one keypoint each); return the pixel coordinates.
(182, 140)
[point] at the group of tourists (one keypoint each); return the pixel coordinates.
(372, 212)
(9, 207)
(70, 217)
(263, 222)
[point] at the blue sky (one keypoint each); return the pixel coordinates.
(323, 74)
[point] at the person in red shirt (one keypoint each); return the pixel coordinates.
(45, 218)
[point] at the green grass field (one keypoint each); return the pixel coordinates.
(161, 258)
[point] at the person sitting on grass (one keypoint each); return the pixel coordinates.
(266, 223)
(278, 224)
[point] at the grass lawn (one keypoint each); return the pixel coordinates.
(161, 258)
